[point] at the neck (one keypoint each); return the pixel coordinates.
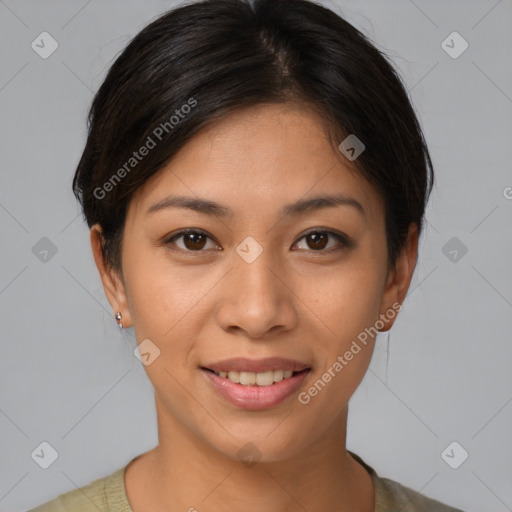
(184, 473)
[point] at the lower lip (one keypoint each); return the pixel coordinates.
(256, 398)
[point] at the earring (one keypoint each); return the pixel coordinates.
(119, 318)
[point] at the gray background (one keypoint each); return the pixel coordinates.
(68, 374)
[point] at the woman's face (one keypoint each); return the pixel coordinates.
(255, 289)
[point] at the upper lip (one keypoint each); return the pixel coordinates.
(243, 364)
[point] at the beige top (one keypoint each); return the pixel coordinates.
(108, 494)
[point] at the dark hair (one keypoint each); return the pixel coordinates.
(199, 62)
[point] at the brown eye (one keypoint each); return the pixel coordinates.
(194, 241)
(319, 240)
(190, 241)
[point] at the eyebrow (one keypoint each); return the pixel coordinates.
(302, 206)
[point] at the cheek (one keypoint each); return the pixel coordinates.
(344, 300)
(343, 307)
(164, 298)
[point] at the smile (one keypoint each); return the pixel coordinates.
(256, 379)
(256, 384)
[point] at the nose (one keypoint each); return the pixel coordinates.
(257, 298)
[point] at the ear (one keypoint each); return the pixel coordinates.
(112, 282)
(399, 278)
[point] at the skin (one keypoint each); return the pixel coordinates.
(292, 302)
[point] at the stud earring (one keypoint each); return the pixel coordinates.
(118, 319)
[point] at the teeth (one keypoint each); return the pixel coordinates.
(233, 376)
(265, 378)
(253, 378)
(247, 378)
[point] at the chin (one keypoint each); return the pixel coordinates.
(272, 441)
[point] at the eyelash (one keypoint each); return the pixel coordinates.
(341, 238)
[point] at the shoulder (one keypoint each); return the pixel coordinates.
(104, 495)
(391, 496)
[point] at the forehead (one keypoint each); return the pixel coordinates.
(258, 159)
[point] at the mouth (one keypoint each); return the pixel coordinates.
(267, 378)
(256, 384)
